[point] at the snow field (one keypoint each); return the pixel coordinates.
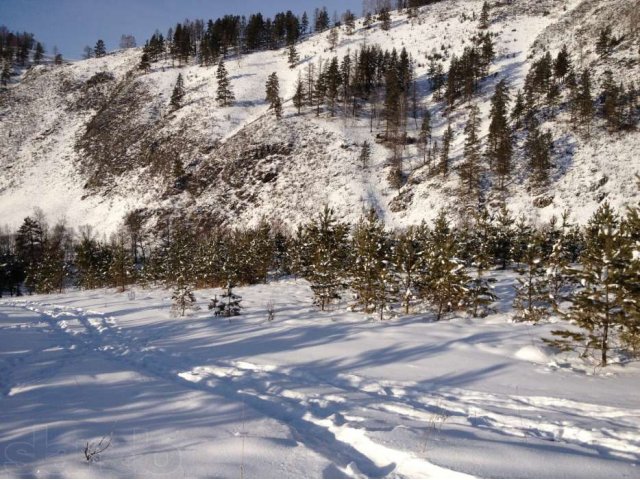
(312, 394)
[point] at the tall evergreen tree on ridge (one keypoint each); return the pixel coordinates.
(273, 95)
(224, 94)
(499, 142)
(100, 49)
(178, 93)
(470, 169)
(447, 138)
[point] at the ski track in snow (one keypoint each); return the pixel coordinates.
(335, 415)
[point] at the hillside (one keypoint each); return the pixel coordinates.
(95, 139)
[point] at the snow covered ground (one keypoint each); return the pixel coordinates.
(309, 394)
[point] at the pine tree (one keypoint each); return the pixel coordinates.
(446, 281)
(100, 49)
(224, 94)
(229, 303)
(562, 64)
(598, 308)
(611, 102)
(630, 230)
(407, 258)
(484, 16)
(304, 24)
(183, 299)
(29, 245)
(299, 95)
(499, 140)
(371, 275)
(481, 293)
(470, 169)
(424, 137)
(558, 272)
(349, 22)
(121, 268)
(178, 93)
(333, 38)
(365, 154)
(603, 45)
(332, 80)
(385, 18)
(293, 58)
(273, 95)
(145, 63)
(504, 237)
(518, 110)
(447, 138)
(328, 250)
(538, 147)
(531, 299)
(5, 76)
(584, 100)
(38, 53)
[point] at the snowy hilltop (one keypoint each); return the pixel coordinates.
(95, 139)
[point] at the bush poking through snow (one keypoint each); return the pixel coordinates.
(93, 450)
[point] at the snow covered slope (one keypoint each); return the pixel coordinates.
(91, 147)
(309, 394)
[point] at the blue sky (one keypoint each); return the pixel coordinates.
(72, 24)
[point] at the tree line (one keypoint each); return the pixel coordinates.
(588, 275)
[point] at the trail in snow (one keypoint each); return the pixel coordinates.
(338, 415)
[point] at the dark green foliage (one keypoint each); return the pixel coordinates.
(293, 58)
(612, 102)
(299, 95)
(481, 293)
(562, 64)
(365, 154)
(273, 95)
(538, 150)
(598, 308)
(504, 237)
(178, 93)
(559, 274)
(224, 94)
(447, 138)
(228, 305)
(5, 75)
(499, 139)
(327, 250)
(424, 137)
(531, 302)
(408, 260)
(605, 42)
(471, 168)
(518, 110)
(38, 53)
(583, 100)
(145, 62)
(372, 275)
(484, 16)
(100, 49)
(445, 283)
(183, 299)
(384, 16)
(93, 260)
